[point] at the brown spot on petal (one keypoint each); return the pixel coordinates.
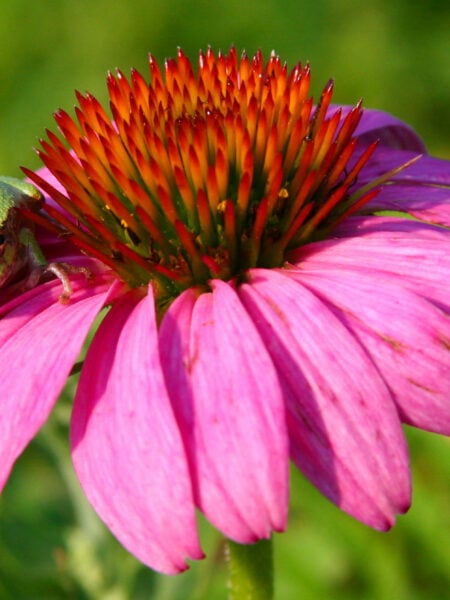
(394, 344)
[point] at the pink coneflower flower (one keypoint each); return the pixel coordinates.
(261, 309)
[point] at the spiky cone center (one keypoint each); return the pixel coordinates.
(202, 175)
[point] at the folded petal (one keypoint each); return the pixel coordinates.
(40, 339)
(414, 251)
(422, 189)
(429, 169)
(407, 337)
(426, 170)
(229, 405)
(344, 428)
(430, 203)
(126, 446)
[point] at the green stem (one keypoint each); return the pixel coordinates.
(250, 569)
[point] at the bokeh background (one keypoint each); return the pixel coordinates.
(396, 56)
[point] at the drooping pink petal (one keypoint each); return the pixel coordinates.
(414, 251)
(127, 449)
(407, 337)
(40, 339)
(229, 406)
(344, 428)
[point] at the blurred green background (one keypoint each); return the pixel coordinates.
(394, 55)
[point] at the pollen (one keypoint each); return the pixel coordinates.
(202, 173)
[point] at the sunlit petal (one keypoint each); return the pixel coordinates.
(127, 449)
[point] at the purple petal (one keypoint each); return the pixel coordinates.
(422, 189)
(407, 337)
(415, 252)
(40, 339)
(426, 170)
(344, 428)
(127, 449)
(430, 203)
(384, 127)
(228, 403)
(390, 131)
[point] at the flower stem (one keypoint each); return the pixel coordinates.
(250, 569)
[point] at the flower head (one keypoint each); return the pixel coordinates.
(261, 308)
(203, 177)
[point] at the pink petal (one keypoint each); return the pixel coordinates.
(407, 337)
(40, 339)
(51, 179)
(416, 252)
(127, 449)
(228, 402)
(345, 431)
(48, 293)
